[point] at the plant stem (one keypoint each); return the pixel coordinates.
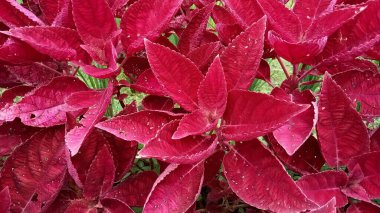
(122, 64)
(283, 67)
(307, 72)
(269, 83)
(76, 70)
(118, 97)
(295, 69)
(310, 82)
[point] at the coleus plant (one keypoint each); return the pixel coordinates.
(199, 135)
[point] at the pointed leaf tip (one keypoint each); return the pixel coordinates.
(265, 115)
(242, 57)
(341, 131)
(176, 73)
(247, 167)
(176, 189)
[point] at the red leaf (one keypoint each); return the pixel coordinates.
(13, 14)
(50, 9)
(212, 166)
(324, 186)
(363, 207)
(222, 16)
(327, 24)
(363, 87)
(228, 32)
(129, 109)
(34, 74)
(123, 154)
(300, 36)
(177, 74)
(147, 83)
(44, 106)
(226, 24)
(212, 92)
(263, 72)
(242, 57)
(265, 114)
(204, 55)
(297, 130)
(341, 132)
(219, 190)
(354, 38)
(94, 21)
(247, 168)
(176, 189)
(364, 177)
(83, 99)
(25, 171)
(375, 140)
(374, 53)
(212, 98)
(192, 35)
(353, 65)
(354, 188)
(17, 52)
(117, 4)
(136, 65)
(76, 136)
(164, 41)
(195, 123)
(146, 19)
(111, 205)
(282, 20)
(307, 159)
(62, 201)
(64, 17)
(184, 151)
(8, 96)
(57, 42)
(13, 134)
(7, 79)
(80, 206)
(329, 207)
(152, 102)
(135, 189)
(87, 152)
(309, 11)
(319, 19)
(5, 200)
(100, 175)
(298, 51)
(141, 126)
(246, 12)
(105, 56)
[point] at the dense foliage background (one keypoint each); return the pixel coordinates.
(189, 106)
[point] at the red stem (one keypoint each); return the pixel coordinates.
(269, 83)
(76, 71)
(295, 69)
(306, 73)
(283, 67)
(122, 64)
